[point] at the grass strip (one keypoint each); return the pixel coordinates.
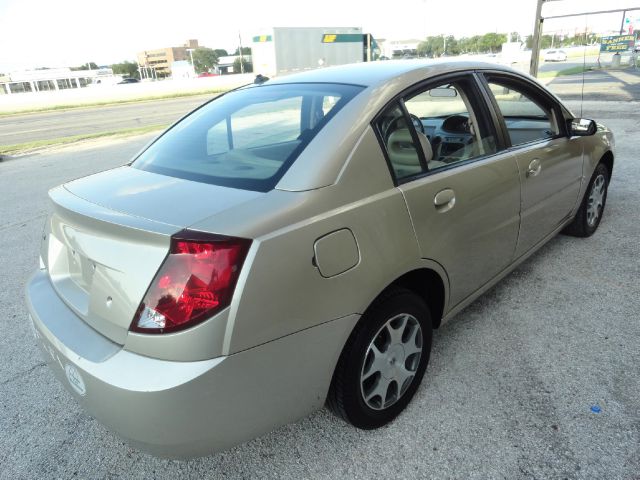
(566, 71)
(30, 146)
(106, 103)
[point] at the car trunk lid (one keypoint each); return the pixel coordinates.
(109, 234)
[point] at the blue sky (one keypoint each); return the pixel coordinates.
(70, 32)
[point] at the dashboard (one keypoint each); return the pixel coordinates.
(447, 135)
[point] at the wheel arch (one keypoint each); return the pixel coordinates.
(430, 284)
(607, 160)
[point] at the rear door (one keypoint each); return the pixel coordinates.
(549, 162)
(461, 188)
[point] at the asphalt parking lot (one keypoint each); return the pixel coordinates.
(510, 391)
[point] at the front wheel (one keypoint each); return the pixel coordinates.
(591, 209)
(383, 361)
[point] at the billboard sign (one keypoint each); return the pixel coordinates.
(617, 43)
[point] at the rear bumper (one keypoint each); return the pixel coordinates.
(186, 409)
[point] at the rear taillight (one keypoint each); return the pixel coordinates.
(195, 281)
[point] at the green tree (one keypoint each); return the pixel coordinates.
(469, 44)
(221, 52)
(93, 66)
(126, 68)
(246, 65)
(492, 42)
(453, 47)
(431, 47)
(204, 59)
(245, 51)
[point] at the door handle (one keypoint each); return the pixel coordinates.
(534, 168)
(444, 200)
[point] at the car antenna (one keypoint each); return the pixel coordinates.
(260, 79)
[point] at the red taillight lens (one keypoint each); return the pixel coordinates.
(195, 281)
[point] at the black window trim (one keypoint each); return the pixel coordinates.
(536, 93)
(414, 135)
(484, 113)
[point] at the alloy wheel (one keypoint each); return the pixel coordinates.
(595, 203)
(391, 361)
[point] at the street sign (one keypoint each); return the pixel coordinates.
(617, 43)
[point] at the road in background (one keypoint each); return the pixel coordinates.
(15, 129)
(610, 85)
(31, 127)
(120, 93)
(508, 393)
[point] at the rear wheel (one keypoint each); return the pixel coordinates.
(591, 209)
(383, 362)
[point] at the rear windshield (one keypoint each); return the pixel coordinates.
(247, 138)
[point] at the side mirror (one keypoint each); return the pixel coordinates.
(581, 127)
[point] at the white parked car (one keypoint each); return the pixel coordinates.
(555, 56)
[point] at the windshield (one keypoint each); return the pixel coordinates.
(247, 138)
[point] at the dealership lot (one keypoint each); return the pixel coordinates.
(509, 392)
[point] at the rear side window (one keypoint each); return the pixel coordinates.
(247, 138)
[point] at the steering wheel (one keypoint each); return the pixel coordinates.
(395, 124)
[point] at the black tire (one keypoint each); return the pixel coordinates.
(346, 394)
(583, 225)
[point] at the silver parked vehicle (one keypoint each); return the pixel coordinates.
(294, 243)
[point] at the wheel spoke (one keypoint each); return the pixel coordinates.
(410, 346)
(402, 373)
(380, 390)
(377, 364)
(396, 331)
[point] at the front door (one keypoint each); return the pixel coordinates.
(550, 163)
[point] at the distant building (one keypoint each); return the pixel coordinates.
(157, 63)
(401, 48)
(225, 64)
(54, 79)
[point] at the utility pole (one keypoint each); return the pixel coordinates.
(624, 15)
(241, 59)
(537, 34)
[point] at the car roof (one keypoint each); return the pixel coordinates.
(383, 81)
(370, 74)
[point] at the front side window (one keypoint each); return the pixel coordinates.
(527, 119)
(247, 138)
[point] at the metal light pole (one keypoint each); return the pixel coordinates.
(190, 50)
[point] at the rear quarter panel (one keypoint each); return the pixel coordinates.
(280, 290)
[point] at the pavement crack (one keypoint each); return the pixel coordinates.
(19, 375)
(21, 222)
